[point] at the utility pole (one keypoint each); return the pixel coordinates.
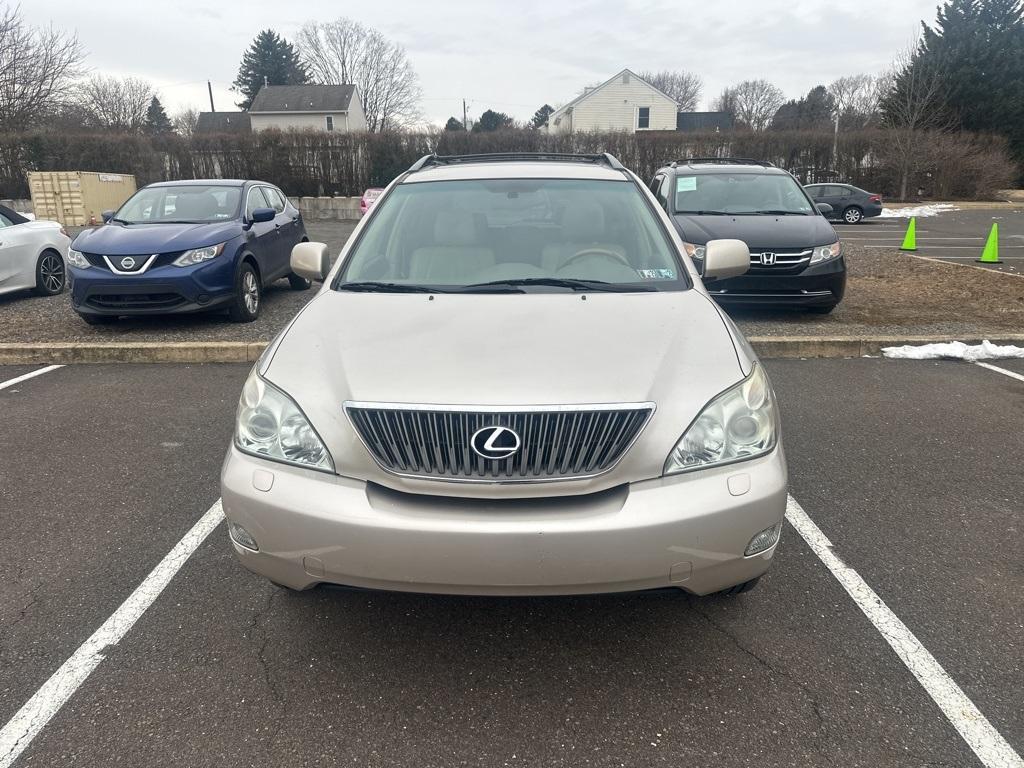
(465, 123)
(210, 89)
(835, 144)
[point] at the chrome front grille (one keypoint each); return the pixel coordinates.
(781, 259)
(555, 442)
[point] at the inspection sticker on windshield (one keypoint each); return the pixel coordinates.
(686, 183)
(657, 274)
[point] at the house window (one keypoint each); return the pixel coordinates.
(330, 122)
(643, 117)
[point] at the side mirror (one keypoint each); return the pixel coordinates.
(263, 214)
(824, 208)
(726, 258)
(311, 261)
(107, 216)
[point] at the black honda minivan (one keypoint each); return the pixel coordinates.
(796, 259)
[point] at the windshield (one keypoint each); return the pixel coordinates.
(521, 235)
(193, 204)
(740, 193)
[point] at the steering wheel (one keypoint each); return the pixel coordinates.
(598, 252)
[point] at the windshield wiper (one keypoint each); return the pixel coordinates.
(370, 286)
(559, 282)
(704, 213)
(121, 221)
(779, 212)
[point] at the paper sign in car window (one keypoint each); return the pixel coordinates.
(686, 183)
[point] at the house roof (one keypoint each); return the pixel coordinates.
(223, 122)
(587, 93)
(303, 98)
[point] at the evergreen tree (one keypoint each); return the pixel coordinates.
(493, 121)
(454, 125)
(979, 47)
(814, 110)
(270, 59)
(157, 121)
(540, 117)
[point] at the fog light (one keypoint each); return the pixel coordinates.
(242, 538)
(763, 540)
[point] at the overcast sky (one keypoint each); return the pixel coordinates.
(510, 56)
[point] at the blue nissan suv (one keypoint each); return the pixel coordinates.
(186, 246)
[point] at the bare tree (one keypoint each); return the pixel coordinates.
(752, 103)
(345, 51)
(37, 68)
(117, 104)
(185, 121)
(912, 106)
(857, 100)
(684, 87)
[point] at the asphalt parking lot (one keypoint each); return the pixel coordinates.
(955, 236)
(910, 469)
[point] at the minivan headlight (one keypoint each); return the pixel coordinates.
(826, 252)
(269, 424)
(76, 259)
(199, 255)
(739, 424)
(695, 251)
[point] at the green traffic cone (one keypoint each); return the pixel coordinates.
(910, 239)
(991, 253)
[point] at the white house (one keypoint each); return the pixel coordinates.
(623, 103)
(320, 107)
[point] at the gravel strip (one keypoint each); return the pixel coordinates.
(888, 293)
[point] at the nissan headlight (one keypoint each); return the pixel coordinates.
(270, 425)
(198, 255)
(739, 424)
(695, 251)
(826, 252)
(76, 259)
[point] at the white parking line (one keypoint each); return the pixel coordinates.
(26, 724)
(988, 744)
(997, 369)
(27, 376)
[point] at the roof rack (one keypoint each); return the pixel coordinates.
(722, 161)
(530, 157)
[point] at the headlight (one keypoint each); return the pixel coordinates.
(199, 255)
(695, 251)
(826, 252)
(76, 259)
(739, 424)
(269, 424)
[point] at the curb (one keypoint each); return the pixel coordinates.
(64, 353)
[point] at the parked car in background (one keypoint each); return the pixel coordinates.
(796, 259)
(369, 198)
(621, 434)
(849, 204)
(187, 246)
(32, 254)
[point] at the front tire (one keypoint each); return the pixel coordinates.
(245, 305)
(739, 589)
(298, 283)
(51, 274)
(853, 215)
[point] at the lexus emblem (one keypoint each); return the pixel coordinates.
(495, 442)
(127, 263)
(767, 258)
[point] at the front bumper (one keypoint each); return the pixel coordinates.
(164, 290)
(687, 531)
(819, 285)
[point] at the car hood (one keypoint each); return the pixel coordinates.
(671, 348)
(757, 231)
(121, 239)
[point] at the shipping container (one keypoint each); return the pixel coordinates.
(78, 198)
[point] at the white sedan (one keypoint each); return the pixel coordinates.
(32, 254)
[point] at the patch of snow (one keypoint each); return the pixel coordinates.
(921, 211)
(954, 350)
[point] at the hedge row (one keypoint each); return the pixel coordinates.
(953, 166)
